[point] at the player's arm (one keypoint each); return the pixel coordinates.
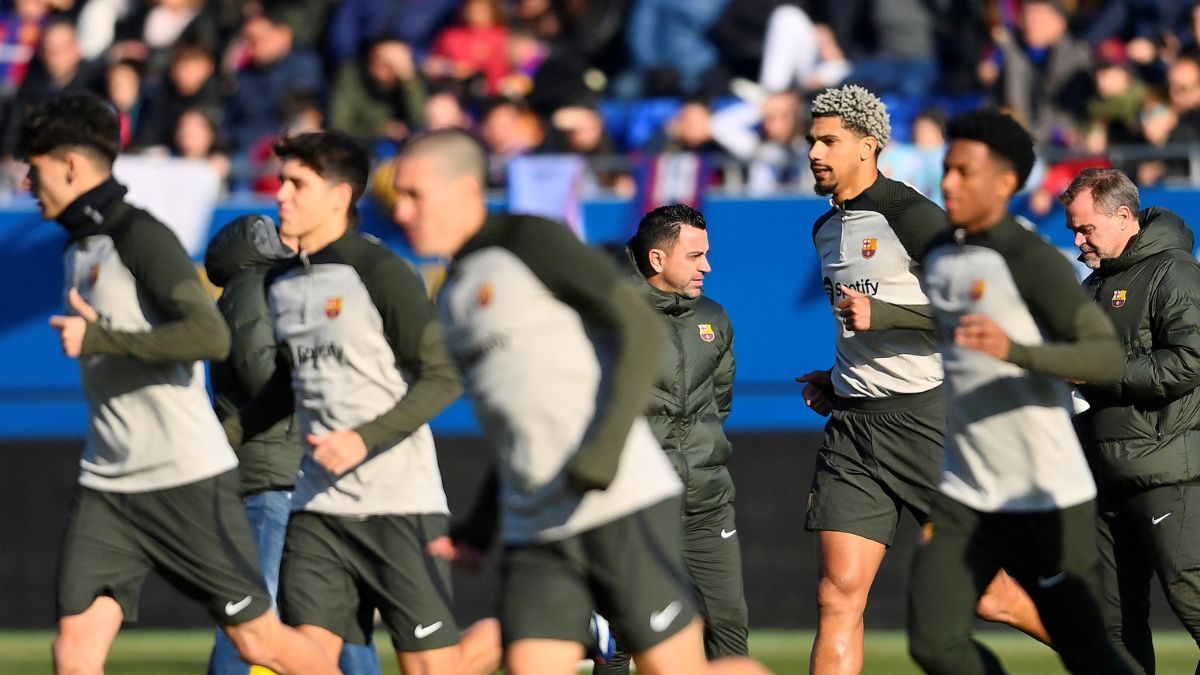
(723, 378)
(416, 338)
(887, 316)
(591, 284)
(1082, 344)
(1172, 367)
(193, 329)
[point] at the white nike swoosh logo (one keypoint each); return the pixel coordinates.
(727, 534)
(1155, 521)
(661, 620)
(1050, 582)
(425, 631)
(232, 608)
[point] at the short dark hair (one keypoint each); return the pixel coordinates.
(335, 156)
(73, 120)
(1005, 138)
(660, 229)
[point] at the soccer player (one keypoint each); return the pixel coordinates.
(369, 370)
(693, 395)
(558, 352)
(238, 260)
(158, 482)
(883, 442)
(1015, 490)
(1140, 433)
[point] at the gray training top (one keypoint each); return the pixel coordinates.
(151, 424)
(871, 244)
(1010, 445)
(557, 351)
(366, 355)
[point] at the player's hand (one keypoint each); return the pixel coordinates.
(818, 391)
(71, 329)
(460, 554)
(979, 333)
(338, 451)
(855, 310)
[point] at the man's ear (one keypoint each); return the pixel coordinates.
(658, 260)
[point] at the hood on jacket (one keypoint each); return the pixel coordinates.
(245, 242)
(1161, 230)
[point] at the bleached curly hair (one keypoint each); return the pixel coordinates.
(861, 111)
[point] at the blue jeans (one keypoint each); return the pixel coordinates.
(268, 514)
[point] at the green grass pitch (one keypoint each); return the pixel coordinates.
(139, 652)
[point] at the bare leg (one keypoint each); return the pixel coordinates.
(848, 567)
(83, 640)
(477, 653)
(265, 641)
(1006, 602)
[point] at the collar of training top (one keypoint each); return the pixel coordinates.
(86, 215)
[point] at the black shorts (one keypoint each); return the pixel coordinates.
(196, 536)
(630, 570)
(875, 462)
(337, 570)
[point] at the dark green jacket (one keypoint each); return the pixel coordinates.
(238, 260)
(1143, 432)
(693, 394)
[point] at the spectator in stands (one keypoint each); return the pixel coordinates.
(443, 110)
(580, 130)
(797, 52)
(124, 91)
(919, 163)
(1113, 113)
(476, 47)
(197, 136)
(769, 139)
(381, 96)
(1183, 90)
(1045, 77)
(508, 129)
(357, 22)
(191, 84)
(20, 34)
(149, 32)
(1158, 121)
(689, 130)
(904, 58)
(59, 67)
(275, 70)
(672, 52)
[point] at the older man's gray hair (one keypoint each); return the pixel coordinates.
(861, 111)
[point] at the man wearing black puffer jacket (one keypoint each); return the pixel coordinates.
(1141, 435)
(691, 398)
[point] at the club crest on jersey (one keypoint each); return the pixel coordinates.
(484, 295)
(978, 287)
(869, 248)
(333, 307)
(706, 332)
(1118, 300)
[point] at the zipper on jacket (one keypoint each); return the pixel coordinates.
(307, 287)
(677, 336)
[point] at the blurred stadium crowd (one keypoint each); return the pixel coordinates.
(1099, 82)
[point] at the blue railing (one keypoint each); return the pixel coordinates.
(765, 274)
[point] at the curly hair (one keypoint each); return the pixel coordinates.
(70, 120)
(861, 111)
(1004, 136)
